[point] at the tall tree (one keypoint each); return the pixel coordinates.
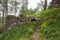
(45, 5)
(24, 6)
(40, 6)
(13, 6)
(0, 6)
(5, 11)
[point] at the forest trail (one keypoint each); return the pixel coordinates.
(36, 31)
(35, 34)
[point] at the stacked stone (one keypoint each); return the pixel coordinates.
(10, 19)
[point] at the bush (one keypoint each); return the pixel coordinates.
(50, 29)
(19, 33)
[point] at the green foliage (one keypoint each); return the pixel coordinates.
(19, 33)
(0, 1)
(50, 29)
(0, 23)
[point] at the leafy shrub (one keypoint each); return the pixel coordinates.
(50, 29)
(19, 33)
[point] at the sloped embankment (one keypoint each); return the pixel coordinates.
(50, 29)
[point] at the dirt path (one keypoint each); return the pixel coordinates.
(36, 31)
(35, 35)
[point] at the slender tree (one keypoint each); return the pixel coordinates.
(45, 5)
(24, 6)
(15, 7)
(5, 11)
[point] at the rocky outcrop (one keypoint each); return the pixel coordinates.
(13, 21)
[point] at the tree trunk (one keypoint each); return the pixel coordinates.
(15, 7)
(5, 12)
(45, 5)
